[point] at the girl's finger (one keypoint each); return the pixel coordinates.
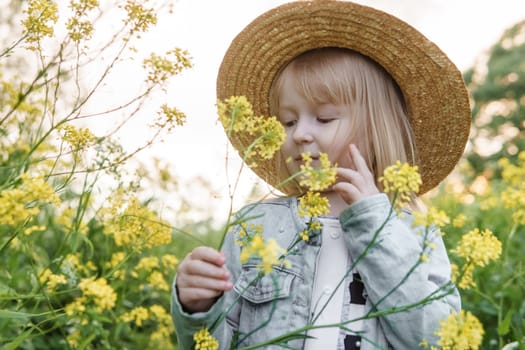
(209, 255)
(359, 161)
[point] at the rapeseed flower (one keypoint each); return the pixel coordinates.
(460, 331)
(99, 291)
(269, 252)
(431, 217)
(312, 204)
(78, 138)
(137, 315)
(41, 16)
(204, 340)
(51, 280)
(161, 68)
(478, 247)
(266, 134)
(317, 179)
(401, 180)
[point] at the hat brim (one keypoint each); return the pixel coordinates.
(433, 87)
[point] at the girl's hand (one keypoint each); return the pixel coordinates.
(201, 279)
(358, 183)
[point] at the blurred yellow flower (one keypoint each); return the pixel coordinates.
(459, 220)
(269, 252)
(51, 280)
(204, 340)
(78, 138)
(431, 217)
(402, 180)
(478, 247)
(266, 134)
(460, 331)
(317, 179)
(41, 16)
(99, 291)
(312, 204)
(137, 315)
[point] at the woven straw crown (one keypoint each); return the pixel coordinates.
(433, 87)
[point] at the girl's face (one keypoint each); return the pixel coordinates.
(313, 127)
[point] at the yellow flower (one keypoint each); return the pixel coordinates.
(137, 315)
(139, 17)
(460, 331)
(464, 278)
(269, 252)
(169, 117)
(147, 264)
(102, 294)
(157, 281)
(78, 138)
(317, 179)
(159, 69)
(459, 220)
(20, 204)
(478, 247)
(402, 180)
(432, 217)
(266, 135)
(204, 340)
(312, 204)
(51, 280)
(41, 16)
(133, 225)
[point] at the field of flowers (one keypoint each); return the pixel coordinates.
(87, 262)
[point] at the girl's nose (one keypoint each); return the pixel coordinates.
(303, 132)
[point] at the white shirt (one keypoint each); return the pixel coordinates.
(327, 296)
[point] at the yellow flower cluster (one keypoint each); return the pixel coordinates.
(313, 227)
(139, 18)
(432, 217)
(267, 134)
(477, 248)
(160, 338)
(133, 225)
(102, 294)
(269, 252)
(317, 179)
(312, 204)
(78, 26)
(160, 69)
(17, 205)
(246, 231)
(41, 16)
(94, 291)
(169, 117)
(137, 315)
(204, 340)
(78, 138)
(513, 197)
(460, 331)
(51, 280)
(402, 180)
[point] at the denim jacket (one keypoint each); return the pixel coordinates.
(285, 294)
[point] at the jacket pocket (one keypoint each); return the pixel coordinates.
(259, 289)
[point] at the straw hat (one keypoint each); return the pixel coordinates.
(433, 87)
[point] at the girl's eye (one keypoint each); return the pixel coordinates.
(325, 120)
(289, 123)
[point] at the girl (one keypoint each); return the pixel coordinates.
(367, 90)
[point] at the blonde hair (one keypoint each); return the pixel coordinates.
(342, 76)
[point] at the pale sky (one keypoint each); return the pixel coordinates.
(463, 29)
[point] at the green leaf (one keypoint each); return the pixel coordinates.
(504, 326)
(13, 314)
(18, 340)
